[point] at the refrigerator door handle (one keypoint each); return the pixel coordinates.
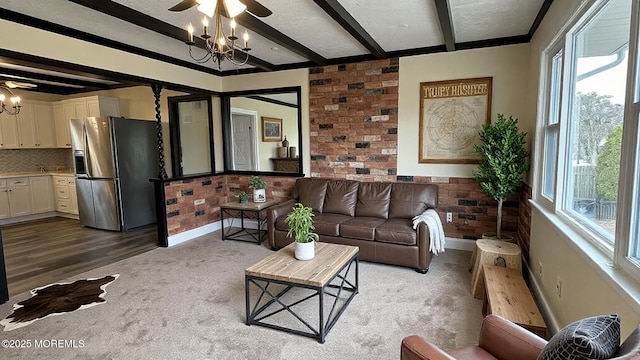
(87, 153)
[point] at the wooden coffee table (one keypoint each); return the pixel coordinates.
(282, 280)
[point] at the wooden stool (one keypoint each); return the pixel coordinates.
(493, 252)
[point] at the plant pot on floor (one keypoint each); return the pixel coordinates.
(305, 251)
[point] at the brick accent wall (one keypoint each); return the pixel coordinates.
(353, 112)
(524, 221)
(473, 212)
(183, 215)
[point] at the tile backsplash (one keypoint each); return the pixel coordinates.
(29, 160)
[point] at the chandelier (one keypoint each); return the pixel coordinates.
(15, 101)
(220, 46)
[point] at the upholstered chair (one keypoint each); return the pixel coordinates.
(503, 340)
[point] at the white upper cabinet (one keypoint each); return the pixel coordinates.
(8, 131)
(44, 125)
(65, 110)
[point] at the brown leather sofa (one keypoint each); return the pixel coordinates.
(503, 340)
(375, 216)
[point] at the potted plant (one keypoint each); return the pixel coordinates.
(503, 161)
(300, 224)
(258, 185)
(243, 198)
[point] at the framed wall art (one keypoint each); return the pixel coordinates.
(452, 113)
(271, 129)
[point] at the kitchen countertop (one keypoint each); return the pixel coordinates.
(36, 173)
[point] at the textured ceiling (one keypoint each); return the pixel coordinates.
(299, 33)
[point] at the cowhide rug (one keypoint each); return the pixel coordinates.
(57, 299)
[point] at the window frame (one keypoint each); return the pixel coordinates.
(629, 180)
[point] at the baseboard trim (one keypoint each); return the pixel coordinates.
(551, 321)
(459, 244)
(193, 233)
(19, 219)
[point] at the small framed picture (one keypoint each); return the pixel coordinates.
(271, 129)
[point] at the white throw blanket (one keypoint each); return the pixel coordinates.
(436, 232)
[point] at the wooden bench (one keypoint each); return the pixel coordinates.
(507, 295)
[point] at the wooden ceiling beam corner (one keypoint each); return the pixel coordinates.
(33, 76)
(446, 25)
(543, 11)
(342, 17)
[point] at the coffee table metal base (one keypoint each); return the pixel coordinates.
(340, 286)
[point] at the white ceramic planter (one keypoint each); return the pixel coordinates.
(305, 251)
(259, 195)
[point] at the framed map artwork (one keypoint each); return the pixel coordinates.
(452, 113)
(271, 129)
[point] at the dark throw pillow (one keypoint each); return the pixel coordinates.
(596, 337)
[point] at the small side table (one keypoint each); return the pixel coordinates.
(248, 211)
(493, 252)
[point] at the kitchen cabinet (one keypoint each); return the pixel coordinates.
(65, 110)
(41, 194)
(16, 197)
(8, 131)
(63, 133)
(36, 126)
(65, 194)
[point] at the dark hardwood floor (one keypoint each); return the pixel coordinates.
(40, 252)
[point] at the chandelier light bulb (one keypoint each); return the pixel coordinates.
(15, 100)
(1, 97)
(246, 40)
(205, 25)
(233, 28)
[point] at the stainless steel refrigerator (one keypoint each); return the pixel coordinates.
(114, 159)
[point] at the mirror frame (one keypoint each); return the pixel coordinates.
(174, 132)
(225, 102)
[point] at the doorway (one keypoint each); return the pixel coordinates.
(243, 139)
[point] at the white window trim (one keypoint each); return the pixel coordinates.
(611, 261)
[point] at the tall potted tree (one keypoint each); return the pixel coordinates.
(503, 161)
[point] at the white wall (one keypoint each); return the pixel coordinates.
(587, 286)
(509, 67)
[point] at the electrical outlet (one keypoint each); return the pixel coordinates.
(449, 217)
(540, 269)
(558, 286)
(198, 202)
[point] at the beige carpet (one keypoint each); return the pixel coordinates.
(187, 302)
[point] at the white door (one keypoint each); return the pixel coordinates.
(242, 141)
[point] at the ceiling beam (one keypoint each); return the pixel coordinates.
(135, 17)
(47, 77)
(543, 11)
(446, 25)
(254, 24)
(342, 17)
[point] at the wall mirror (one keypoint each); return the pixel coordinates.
(255, 126)
(191, 129)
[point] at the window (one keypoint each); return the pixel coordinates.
(590, 167)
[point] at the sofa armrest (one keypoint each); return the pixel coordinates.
(423, 240)
(504, 339)
(416, 348)
(273, 213)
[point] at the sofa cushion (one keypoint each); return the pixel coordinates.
(341, 197)
(409, 200)
(597, 337)
(396, 231)
(328, 224)
(373, 199)
(311, 192)
(360, 228)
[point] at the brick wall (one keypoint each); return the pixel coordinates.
(353, 111)
(183, 215)
(524, 221)
(473, 212)
(354, 122)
